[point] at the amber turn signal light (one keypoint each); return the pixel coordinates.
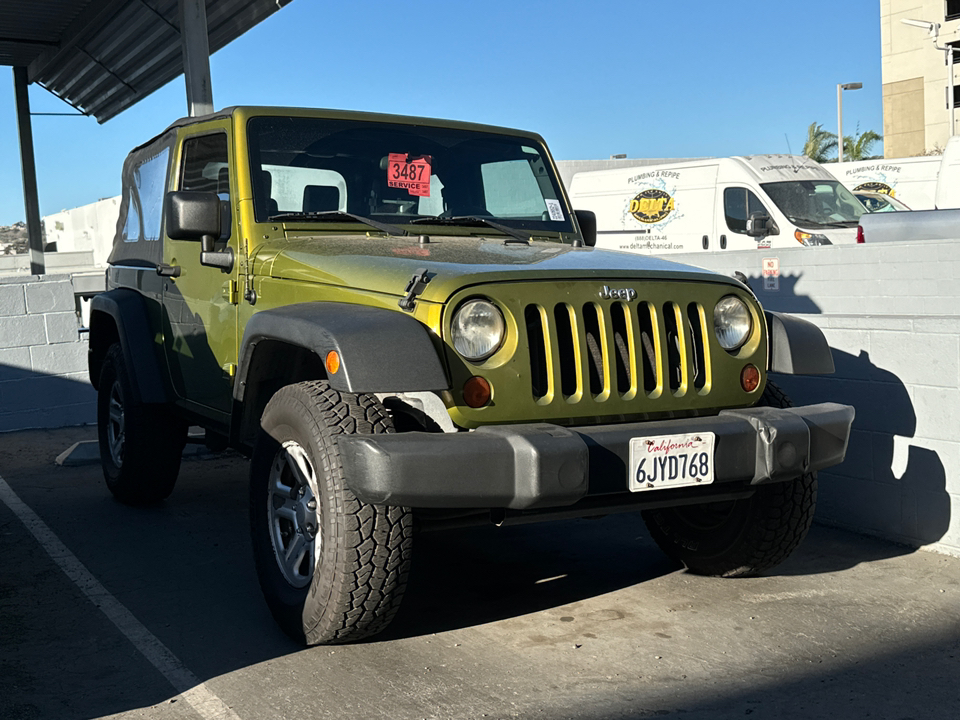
(333, 362)
(476, 392)
(749, 378)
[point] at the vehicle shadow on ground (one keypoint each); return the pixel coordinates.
(474, 576)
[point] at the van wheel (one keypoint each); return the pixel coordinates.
(332, 568)
(739, 538)
(140, 445)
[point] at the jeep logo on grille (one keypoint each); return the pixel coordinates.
(609, 293)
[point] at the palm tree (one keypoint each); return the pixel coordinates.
(857, 147)
(820, 143)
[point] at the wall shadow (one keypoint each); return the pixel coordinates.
(863, 493)
(785, 298)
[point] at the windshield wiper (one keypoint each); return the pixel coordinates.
(818, 223)
(334, 215)
(472, 220)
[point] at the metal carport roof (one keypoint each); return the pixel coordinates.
(102, 56)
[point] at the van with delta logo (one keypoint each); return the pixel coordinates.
(911, 180)
(736, 203)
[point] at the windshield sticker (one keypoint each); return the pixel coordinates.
(877, 187)
(410, 173)
(553, 207)
(651, 206)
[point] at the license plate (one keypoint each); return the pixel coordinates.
(671, 461)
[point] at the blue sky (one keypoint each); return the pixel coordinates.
(685, 79)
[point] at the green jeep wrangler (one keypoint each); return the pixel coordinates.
(406, 327)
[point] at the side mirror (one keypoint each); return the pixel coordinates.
(587, 221)
(760, 224)
(194, 215)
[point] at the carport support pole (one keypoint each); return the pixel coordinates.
(31, 201)
(196, 57)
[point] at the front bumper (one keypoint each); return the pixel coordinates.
(540, 465)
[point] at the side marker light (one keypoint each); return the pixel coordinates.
(750, 378)
(477, 392)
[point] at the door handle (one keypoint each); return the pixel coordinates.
(164, 270)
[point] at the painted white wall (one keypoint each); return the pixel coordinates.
(89, 227)
(891, 314)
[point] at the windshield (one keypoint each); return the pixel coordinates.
(875, 202)
(400, 174)
(815, 203)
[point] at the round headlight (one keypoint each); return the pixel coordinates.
(478, 329)
(732, 322)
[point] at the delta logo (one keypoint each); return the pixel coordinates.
(651, 206)
(877, 187)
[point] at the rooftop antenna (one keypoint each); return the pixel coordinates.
(793, 158)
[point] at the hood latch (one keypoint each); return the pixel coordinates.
(415, 286)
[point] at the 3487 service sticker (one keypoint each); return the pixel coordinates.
(411, 173)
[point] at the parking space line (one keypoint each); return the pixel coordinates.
(207, 704)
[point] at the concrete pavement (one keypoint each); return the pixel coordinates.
(578, 619)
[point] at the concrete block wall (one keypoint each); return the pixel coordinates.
(891, 314)
(43, 360)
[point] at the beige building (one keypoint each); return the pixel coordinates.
(915, 75)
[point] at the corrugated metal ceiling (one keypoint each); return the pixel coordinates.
(102, 56)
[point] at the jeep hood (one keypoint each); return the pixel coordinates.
(386, 264)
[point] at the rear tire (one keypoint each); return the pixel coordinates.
(332, 568)
(140, 445)
(739, 538)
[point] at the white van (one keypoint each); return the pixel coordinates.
(948, 178)
(912, 180)
(737, 203)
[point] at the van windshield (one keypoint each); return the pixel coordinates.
(322, 169)
(815, 203)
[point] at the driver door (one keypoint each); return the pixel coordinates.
(200, 306)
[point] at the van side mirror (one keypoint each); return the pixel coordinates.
(191, 215)
(760, 224)
(587, 220)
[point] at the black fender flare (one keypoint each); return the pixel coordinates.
(128, 311)
(380, 350)
(797, 347)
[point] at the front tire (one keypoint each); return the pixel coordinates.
(739, 538)
(332, 568)
(140, 445)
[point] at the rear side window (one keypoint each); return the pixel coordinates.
(204, 168)
(145, 201)
(738, 204)
(138, 237)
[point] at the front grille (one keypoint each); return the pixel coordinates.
(618, 350)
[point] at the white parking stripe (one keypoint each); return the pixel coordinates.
(207, 704)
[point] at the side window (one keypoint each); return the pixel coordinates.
(738, 204)
(204, 168)
(145, 202)
(131, 227)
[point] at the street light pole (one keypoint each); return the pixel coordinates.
(840, 89)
